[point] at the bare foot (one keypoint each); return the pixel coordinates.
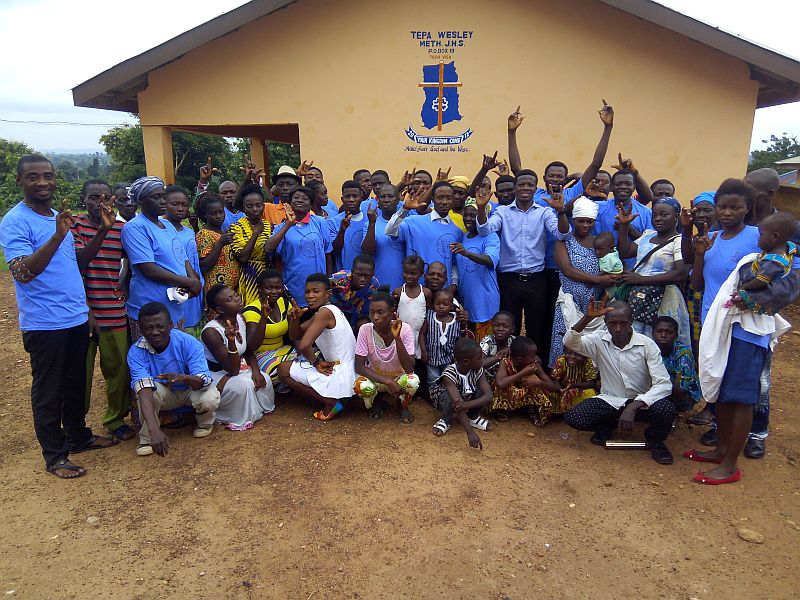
(720, 472)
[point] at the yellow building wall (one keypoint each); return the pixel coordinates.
(348, 73)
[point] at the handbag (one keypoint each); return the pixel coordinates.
(644, 300)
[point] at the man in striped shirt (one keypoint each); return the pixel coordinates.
(98, 247)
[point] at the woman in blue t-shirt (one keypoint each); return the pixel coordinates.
(715, 258)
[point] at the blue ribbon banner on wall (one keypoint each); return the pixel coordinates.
(438, 140)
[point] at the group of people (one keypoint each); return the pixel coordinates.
(595, 296)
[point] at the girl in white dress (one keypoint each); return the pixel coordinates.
(413, 299)
(245, 394)
(328, 377)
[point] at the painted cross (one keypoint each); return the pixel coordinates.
(441, 85)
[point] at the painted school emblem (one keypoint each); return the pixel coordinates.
(440, 86)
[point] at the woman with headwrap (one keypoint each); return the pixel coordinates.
(659, 265)
(157, 257)
(579, 271)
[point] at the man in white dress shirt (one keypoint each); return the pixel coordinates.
(635, 384)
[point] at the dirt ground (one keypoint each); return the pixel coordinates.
(300, 509)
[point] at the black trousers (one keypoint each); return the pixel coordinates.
(58, 368)
(595, 414)
(529, 293)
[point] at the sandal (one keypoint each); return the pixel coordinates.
(501, 416)
(123, 433)
(97, 442)
(320, 414)
(74, 471)
(440, 428)
(406, 416)
(700, 478)
(480, 423)
(698, 420)
(376, 412)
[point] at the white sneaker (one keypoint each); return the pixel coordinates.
(144, 450)
(201, 432)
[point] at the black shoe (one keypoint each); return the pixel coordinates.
(599, 438)
(660, 453)
(755, 448)
(709, 438)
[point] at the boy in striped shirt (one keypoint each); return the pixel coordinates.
(98, 248)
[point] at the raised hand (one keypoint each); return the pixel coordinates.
(606, 114)
(593, 190)
(482, 196)
(556, 199)
(598, 308)
(502, 168)
(295, 312)
(345, 222)
(396, 327)
(626, 215)
(193, 222)
(303, 169)
(443, 175)
(414, 200)
(490, 162)
(231, 331)
(701, 242)
(64, 219)
(107, 216)
(407, 178)
(290, 218)
(515, 120)
(372, 215)
(207, 170)
(687, 220)
(624, 164)
(226, 238)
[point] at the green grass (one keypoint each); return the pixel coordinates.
(3, 264)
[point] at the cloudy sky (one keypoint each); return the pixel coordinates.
(53, 45)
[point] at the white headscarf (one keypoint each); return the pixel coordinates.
(585, 208)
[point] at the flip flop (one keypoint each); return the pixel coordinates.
(704, 479)
(480, 423)
(695, 456)
(66, 465)
(698, 420)
(320, 415)
(93, 444)
(124, 433)
(406, 416)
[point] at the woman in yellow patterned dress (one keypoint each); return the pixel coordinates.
(250, 244)
(213, 244)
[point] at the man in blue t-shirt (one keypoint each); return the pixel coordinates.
(346, 228)
(388, 251)
(430, 235)
(168, 370)
(53, 316)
